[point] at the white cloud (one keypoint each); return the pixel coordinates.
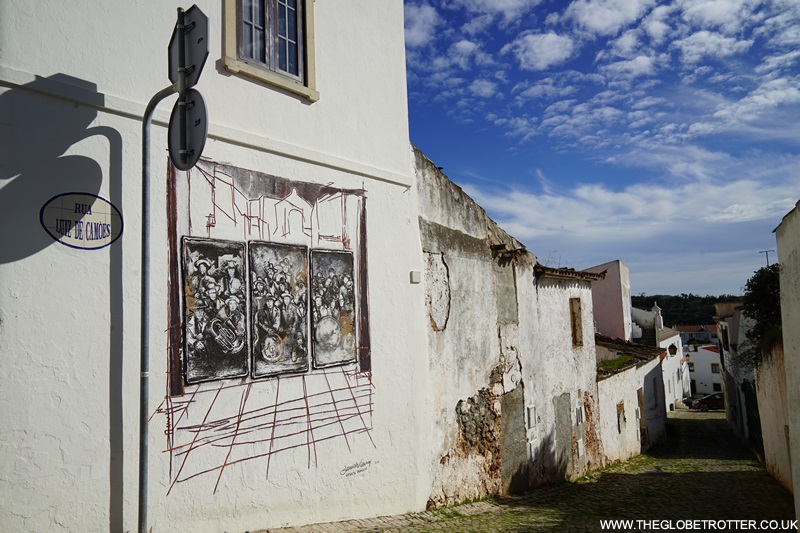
(782, 29)
(483, 88)
(536, 51)
(768, 96)
(479, 24)
(779, 62)
(421, 21)
(709, 44)
(655, 23)
(647, 224)
(509, 9)
(546, 88)
(626, 44)
(632, 68)
(606, 17)
(728, 16)
(648, 101)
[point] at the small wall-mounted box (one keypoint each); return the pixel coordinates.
(416, 276)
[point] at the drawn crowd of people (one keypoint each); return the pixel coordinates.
(216, 320)
(279, 304)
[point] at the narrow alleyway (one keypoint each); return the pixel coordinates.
(700, 473)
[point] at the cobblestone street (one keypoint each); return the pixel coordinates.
(700, 473)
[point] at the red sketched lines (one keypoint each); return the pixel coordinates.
(216, 426)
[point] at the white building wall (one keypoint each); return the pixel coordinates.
(514, 403)
(74, 82)
(558, 368)
(702, 359)
(773, 408)
(630, 423)
(676, 373)
(788, 237)
(612, 300)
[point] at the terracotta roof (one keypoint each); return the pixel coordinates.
(689, 329)
(567, 273)
(712, 328)
(711, 348)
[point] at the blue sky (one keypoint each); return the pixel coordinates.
(664, 134)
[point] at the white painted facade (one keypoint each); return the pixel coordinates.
(632, 411)
(74, 82)
(788, 238)
(702, 364)
(674, 368)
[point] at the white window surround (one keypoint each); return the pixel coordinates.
(236, 65)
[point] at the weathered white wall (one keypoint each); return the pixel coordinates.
(74, 81)
(612, 300)
(774, 410)
(622, 416)
(558, 369)
(788, 237)
(513, 403)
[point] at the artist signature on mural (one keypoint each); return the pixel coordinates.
(356, 468)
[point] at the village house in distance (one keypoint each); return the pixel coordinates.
(335, 330)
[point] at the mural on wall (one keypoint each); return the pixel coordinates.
(290, 392)
(215, 329)
(278, 308)
(333, 308)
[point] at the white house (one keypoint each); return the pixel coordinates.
(616, 318)
(705, 369)
(252, 423)
(741, 401)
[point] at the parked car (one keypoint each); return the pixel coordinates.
(712, 401)
(689, 400)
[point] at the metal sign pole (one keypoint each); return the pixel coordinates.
(144, 382)
(184, 156)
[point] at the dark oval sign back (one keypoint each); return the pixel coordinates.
(81, 220)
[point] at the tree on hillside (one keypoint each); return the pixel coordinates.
(762, 304)
(683, 309)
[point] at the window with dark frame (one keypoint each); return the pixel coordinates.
(576, 323)
(715, 368)
(272, 34)
(717, 387)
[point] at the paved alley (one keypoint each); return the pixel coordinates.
(701, 473)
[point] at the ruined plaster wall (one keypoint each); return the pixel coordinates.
(561, 385)
(478, 426)
(788, 237)
(628, 426)
(69, 319)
